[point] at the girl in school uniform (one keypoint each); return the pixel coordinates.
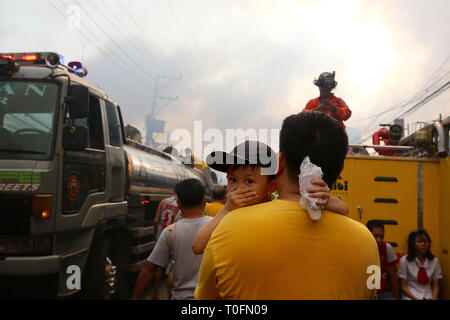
(419, 271)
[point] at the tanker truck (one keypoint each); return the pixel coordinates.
(77, 197)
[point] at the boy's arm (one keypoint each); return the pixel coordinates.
(235, 199)
(337, 205)
(322, 192)
(203, 235)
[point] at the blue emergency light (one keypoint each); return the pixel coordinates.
(77, 68)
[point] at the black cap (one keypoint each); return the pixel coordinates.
(249, 153)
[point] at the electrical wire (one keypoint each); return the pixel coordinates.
(139, 67)
(106, 53)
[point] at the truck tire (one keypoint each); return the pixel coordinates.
(98, 271)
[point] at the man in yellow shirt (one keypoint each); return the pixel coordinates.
(219, 197)
(274, 250)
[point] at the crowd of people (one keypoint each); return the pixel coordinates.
(246, 245)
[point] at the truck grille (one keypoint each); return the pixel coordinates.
(15, 215)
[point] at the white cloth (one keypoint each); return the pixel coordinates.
(308, 172)
(408, 270)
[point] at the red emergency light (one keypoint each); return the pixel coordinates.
(8, 56)
(30, 57)
(50, 59)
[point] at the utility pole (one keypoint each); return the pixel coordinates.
(152, 124)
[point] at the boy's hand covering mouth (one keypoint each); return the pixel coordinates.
(240, 198)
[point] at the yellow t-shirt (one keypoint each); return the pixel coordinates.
(213, 208)
(274, 251)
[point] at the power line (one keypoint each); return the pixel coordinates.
(419, 95)
(113, 52)
(144, 34)
(427, 99)
(422, 102)
(106, 53)
(139, 67)
(138, 45)
(116, 27)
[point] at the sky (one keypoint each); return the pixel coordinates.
(246, 63)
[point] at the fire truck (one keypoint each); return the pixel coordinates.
(77, 197)
(405, 185)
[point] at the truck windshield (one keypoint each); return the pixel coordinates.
(27, 117)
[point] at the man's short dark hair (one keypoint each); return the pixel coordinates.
(219, 192)
(318, 136)
(190, 192)
(374, 224)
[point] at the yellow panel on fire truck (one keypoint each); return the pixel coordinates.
(405, 193)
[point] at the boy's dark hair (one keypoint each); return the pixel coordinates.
(374, 224)
(219, 192)
(412, 248)
(190, 192)
(318, 136)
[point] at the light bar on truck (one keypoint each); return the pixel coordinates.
(50, 59)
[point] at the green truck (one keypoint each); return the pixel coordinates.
(77, 197)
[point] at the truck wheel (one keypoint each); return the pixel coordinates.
(105, 277)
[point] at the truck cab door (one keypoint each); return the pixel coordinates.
(115, 155)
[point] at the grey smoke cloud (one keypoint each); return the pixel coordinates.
(249, 64)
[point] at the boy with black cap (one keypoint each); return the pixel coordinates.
(327, 102)
(250, 169)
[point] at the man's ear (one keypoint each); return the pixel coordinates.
(272, 186)
(178, 203)
(281, 166)
(205, 199)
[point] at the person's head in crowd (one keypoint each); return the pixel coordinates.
(377, 229)
(171, 150)
(190, 195)
(250, 164)
(419, 245)
(312, 134)
(326, 82)
(220, 194)
(187, 152)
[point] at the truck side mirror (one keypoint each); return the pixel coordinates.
(75, 138)
(78, 101)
